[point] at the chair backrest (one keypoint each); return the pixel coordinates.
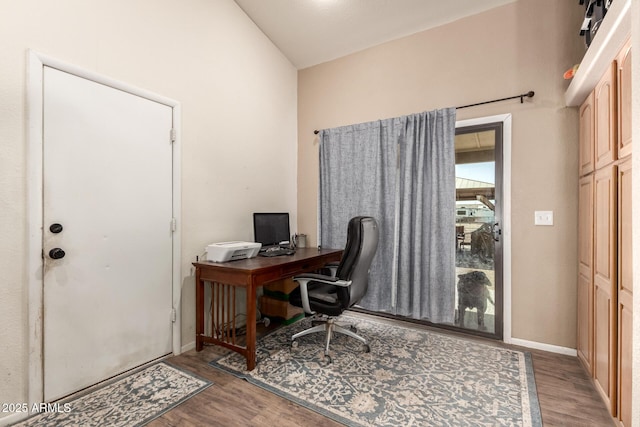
(362, 243)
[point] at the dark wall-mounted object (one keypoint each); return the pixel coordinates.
(595, 11)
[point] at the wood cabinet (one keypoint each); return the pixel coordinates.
(585, 272)
(605, 271)
(625, 293)
(623, 62)
(604, 284)
(605, 106)
(587, 136)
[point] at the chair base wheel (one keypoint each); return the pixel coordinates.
(366, 348)
(294, 344)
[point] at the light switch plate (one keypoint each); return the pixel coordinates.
(543, 218)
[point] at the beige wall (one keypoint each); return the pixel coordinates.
(526, 45)
(238, 95)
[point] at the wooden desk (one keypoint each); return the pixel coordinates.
(225, 278)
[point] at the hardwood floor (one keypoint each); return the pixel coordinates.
(231, 401)
(566, 394)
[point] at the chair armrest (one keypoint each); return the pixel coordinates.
(343, 283)
(317, 277)
(332, 267)
(322, 279)
(304, 280)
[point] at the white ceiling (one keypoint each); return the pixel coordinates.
(310, 32)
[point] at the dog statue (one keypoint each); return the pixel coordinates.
(473, 292)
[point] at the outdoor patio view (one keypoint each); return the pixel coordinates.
(475, 219)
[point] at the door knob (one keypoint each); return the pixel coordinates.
(56, 253)
(55, 228)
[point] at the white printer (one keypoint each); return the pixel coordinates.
(229, 251)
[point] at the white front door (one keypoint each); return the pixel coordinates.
(107, 245)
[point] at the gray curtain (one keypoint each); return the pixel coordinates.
(426, 217)
(358, 177)
(401, 171)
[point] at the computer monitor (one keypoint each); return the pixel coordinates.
(271, 229)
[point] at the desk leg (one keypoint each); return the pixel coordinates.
(199, 310)
(251, 326)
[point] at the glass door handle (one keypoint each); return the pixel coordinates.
(497, 232)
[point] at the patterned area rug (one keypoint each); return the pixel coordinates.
(411, 377)
(133, 400)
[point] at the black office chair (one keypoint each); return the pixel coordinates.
(331, 295)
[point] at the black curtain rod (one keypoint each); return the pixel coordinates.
(521, 96)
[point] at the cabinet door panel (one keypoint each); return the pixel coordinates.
(585, 321)
(625, 344)
(604, 348)
(624, 100)
(605, 119)
(585, 225)
(604, 225)
(625, 261)
(605, 289)
(585, 273)
(625, 293)
(587, 136)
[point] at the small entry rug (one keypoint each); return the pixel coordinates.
(134, 400)
(411, 377)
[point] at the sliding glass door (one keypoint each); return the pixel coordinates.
(478, 288)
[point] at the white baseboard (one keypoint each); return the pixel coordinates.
(13, 418)
(545, 347)
(187, 347)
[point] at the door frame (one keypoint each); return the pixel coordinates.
(35, 209)
(505, 119)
